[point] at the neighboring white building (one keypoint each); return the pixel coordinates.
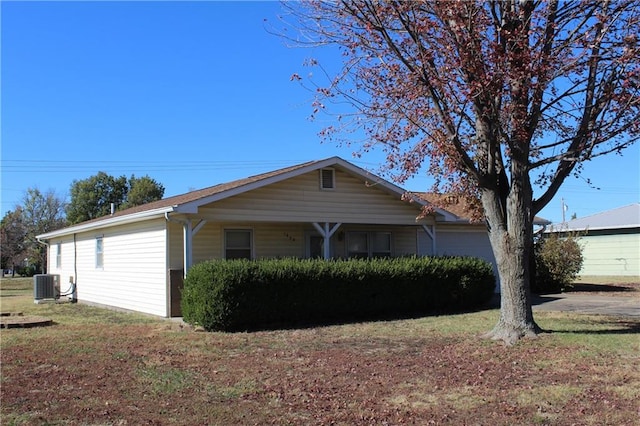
(135, 259)
(610, 241)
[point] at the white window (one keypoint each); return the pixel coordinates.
(99, 253)
(315, 246)
(59, 255)
(380, 244)
(327, 179)
(368, 244)
(357, 244)
(237, 244)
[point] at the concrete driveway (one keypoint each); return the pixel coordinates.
(628, 306)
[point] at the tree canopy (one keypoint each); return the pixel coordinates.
(490, 97)
(39, 213)
(92, 197)
(12, 239)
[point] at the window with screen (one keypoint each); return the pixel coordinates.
(59, 255)
(99, 252)
(357, 245)
(368, 244)
(327, 179)
(381, 244)
(237, 243)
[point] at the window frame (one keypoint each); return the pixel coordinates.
(226, 248)
(100, 252)
(333, 179)
(362, 254)
(308, 250)
(371, 251)
(58, 255)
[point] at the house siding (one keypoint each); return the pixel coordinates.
(134, 269)
(456, 240)
(175, 245)
(66, 270)
(614, 254)
(143, 244)
(300, 199)
(272, 240)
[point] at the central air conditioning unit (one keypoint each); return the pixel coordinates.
(46, 287)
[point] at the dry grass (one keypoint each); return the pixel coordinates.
(99, 367)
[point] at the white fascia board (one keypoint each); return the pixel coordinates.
(110, 221)
(553, 230)
(192, 207)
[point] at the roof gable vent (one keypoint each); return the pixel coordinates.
(327, 179)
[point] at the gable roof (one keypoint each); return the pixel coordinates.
(190, 201)
(618, 218)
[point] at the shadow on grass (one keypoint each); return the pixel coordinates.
(618, 327)
(327, 321)
(599, 288)
(539, 300)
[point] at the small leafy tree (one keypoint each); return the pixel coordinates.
(558, 262)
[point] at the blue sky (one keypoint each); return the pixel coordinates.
(190, 93)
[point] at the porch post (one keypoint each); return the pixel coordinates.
(326, 232)
(187, 233)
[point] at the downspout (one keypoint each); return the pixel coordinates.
(186, 240)
(74, 294)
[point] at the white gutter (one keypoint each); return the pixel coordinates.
(108, 221)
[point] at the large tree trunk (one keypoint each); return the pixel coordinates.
(511, 233)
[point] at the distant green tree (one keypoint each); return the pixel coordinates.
(92, 197)
(12, 238)
(41, 213)
(142, 191)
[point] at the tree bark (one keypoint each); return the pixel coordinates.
(511, 233)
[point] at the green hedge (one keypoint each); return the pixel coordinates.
(233, 295)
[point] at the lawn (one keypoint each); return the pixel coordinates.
(100, 367)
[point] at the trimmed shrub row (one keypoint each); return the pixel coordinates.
(232, 295)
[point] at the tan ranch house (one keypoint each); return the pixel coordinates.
(135, 259)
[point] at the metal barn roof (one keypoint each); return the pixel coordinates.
(619, 218)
